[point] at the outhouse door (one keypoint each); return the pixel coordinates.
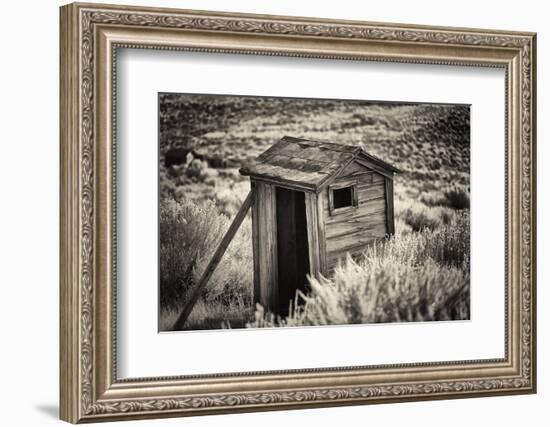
(292, 246)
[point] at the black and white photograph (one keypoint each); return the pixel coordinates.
(277, 212)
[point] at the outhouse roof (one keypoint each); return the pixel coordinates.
(309, 164)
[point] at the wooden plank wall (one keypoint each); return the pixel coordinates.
(322, 235)
(351, 230)
(264, 241)
(390, 216)
(312, 218)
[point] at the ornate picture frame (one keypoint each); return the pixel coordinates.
(90, 37)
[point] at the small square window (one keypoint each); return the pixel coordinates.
(343, 197)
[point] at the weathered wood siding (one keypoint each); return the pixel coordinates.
(390, 216)
(352, 230)
(264, 241)
(312, 217)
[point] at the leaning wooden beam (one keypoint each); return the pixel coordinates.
(178, 325)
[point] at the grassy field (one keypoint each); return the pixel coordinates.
(421, 273)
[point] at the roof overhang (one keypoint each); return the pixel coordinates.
(280, 182)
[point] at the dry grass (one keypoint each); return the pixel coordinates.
(209, 315)
(189, 235)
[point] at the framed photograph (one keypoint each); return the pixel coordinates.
(268, 212)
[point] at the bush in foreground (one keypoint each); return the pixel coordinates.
(189, 235)
(417, 277)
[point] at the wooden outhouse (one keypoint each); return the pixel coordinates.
(313, 202)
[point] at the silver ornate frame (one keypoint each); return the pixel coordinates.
(90, 36)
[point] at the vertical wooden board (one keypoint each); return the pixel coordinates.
(255, 243)
(260, 267)
(313, 234)
(267, 245)
(321, 215)
(302, 243)
(271, 247)
(390, 217)
(330, 200)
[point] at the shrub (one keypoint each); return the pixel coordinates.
(401, 227)
(209, 315)
(448, 245)
(379, 291)
(196, 168)
(457, 198)
(189, 235)
(431, 198)
(416, 277)
(420, 216)
(417, 215)
(418, 219)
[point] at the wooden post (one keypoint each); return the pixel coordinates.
(313, 234)
(264, 233)
(321, 232)
(178, 325)
(390, 218)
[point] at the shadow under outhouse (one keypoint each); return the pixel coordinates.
(313, 202)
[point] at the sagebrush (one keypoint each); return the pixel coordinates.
(417, 276)
(189, 235)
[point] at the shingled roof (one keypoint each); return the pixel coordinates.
(308, 164)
